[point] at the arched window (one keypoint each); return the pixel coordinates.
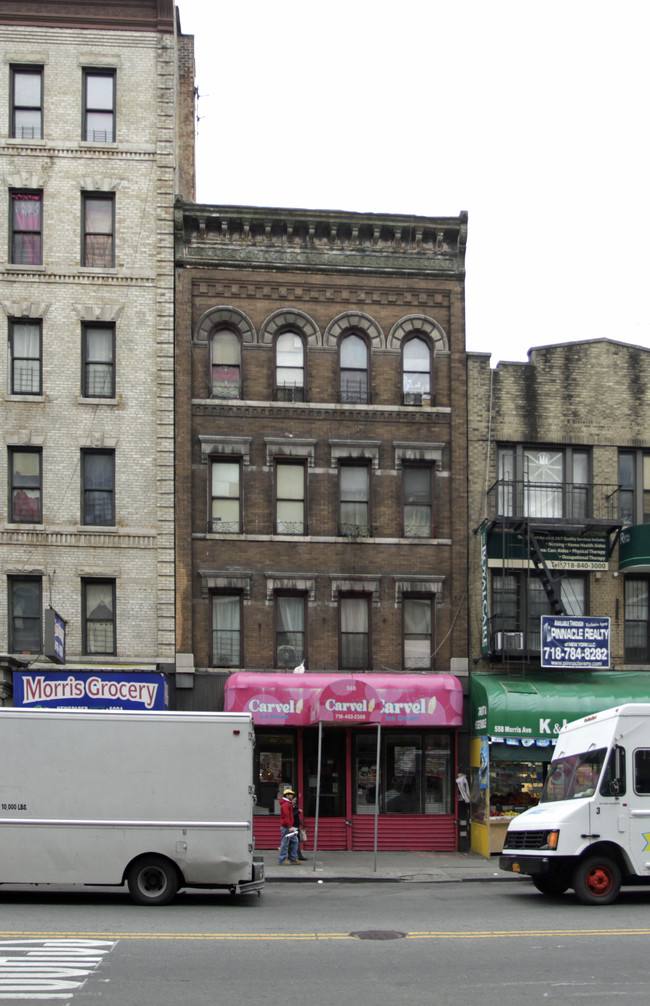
(289, 368)
(416, 371)
(226, 364)
(354, 369)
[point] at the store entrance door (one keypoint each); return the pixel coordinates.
(333, 779)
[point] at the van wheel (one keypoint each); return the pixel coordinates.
(152, 880)
(597, 881)
(550, 885)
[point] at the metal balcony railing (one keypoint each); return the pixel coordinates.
(545, 502)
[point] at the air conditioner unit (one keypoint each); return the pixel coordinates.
(412, 398)
(287, 656)
(509, 641)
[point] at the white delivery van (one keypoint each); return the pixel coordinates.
(591, 828)
(159, 800)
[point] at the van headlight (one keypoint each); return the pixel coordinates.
(552, 838)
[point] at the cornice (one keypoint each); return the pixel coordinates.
(322, 410)
(119, 15)
(302, 240)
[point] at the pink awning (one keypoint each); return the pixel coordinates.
(279, 699)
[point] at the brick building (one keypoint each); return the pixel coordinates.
(95, 101)
(559, 477)
(321, 505)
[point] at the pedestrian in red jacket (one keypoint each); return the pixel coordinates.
(289, 835)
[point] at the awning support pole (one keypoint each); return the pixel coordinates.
(320, 752)
(377, 779)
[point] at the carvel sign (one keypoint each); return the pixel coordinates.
(89, 690)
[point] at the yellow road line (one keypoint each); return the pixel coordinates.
(433, 935)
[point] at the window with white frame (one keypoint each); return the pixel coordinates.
(418, 632)
(416, 371)
(99, 106)
(226, 630)
(354, 369)
(25, 349)
(98, 616)
(289, 630)
(290, 497)
(354, 489)
(225, 350)
(226, 496)
(354, 630)
(418, 505)
(289, 367)
(27, 102)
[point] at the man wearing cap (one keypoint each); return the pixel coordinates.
(289, 840)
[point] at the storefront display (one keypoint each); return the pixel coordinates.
(417, 717)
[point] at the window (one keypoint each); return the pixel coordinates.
(290, 498)
(354, 633)
(226, 364)
(634, 487)
(27, 102)
(25, 474)
(275, 766)
(518, 602)
(289, 630)
(99, 106)
(642, 772)
(25, 342)
(354, 488)
(416, 373)
(98, 487)
(26, 228)
(226, 512)
(25, 606)
(418, 633)
(98, 250)
(544, 482)
(98, 617)
(418, 510)
(354, 369)
(289, 368)
(416, 772)
(226, 630)
(637, 620)
(98, 361)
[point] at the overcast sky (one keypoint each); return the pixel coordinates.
(531, 116)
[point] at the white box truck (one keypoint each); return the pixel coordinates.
(591, 828)
(157, 800)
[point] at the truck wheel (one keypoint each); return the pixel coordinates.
(152, 880)
(550, 885)
(597, 881)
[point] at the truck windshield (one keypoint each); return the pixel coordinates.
(573, 777)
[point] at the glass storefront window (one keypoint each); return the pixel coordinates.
(416, 773)
(332, 783)
(275, 768)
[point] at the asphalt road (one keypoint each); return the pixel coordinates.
(494, 944)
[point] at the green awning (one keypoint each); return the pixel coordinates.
(536, 706)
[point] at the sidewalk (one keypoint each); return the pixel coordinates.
(395, 867)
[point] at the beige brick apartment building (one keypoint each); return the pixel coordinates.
(559, 484)
(94, 101)
(321, 505)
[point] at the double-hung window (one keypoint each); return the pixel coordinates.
(354, 369)
(290, 497)
(544, 482)
(99, 106)
(98, 616)
(418, 633)
(416, 372)
(25, 614)
(98, 361)
(226, 498)
(98, 238)
(418, 506)
(26, 227)
(25, 496)
(289, 368)
(354, 624)
(98, 487)
(289, 630)
(518, 602)
(27, 102)
(226, 630)
(637, 620)
(25, 348)
(354, 488)
(634, 487)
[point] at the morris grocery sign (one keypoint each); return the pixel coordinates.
(87, 690)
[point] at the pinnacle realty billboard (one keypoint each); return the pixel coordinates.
(576, 641)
